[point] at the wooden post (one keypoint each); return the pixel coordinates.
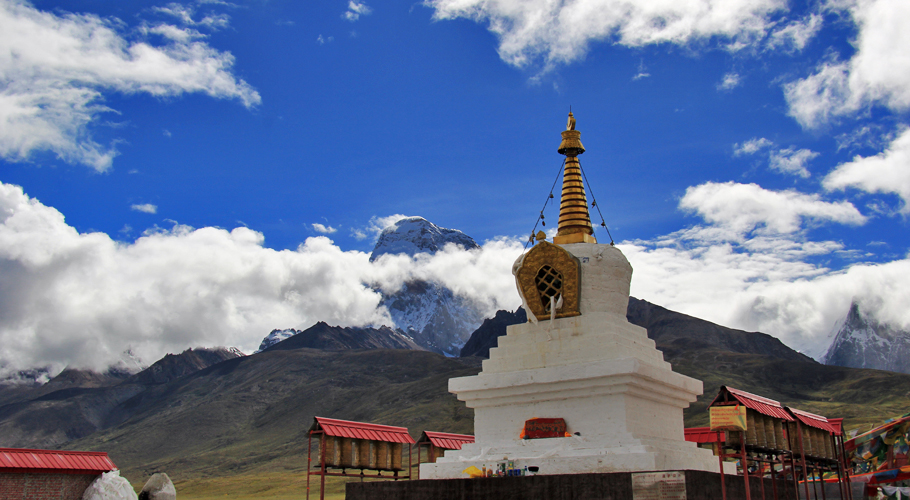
(802, 451)
(322, 469)
(309, 460)
(745, 463)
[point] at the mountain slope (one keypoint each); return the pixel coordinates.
(77, 403)
(252, 413)
(326, 337)
(676, 332)
(864, 342)
(486, 336)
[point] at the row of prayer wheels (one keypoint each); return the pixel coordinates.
(350, 453)
(775, 434)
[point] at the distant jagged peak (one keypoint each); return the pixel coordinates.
(413, 235)
(865, 341)
(276, 336)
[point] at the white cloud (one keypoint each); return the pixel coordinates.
(765, 287)
(886, 172)
(355, 10)
(878, 72)
(146, 207)
(184, 14)
(795, 35)
(740, 209)
(642, 72)
(56, 68)
(751, 146)
(560, 32)
(320, 228)
(324, 40)
(730, 81)
(376, 225)
(791, 161)
(82, 299)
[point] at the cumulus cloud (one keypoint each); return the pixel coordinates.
(355, 10)
(886, 172)
(146, 208)
(792, 161)
(560, 32)
(877, 73)
(740, 209)
(752, 266)
(759, 287)
(321, 228)
(55, 69)
(82, 299)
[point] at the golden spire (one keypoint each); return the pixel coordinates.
(574, 220)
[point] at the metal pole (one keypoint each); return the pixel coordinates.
(745, 463)
(843, 451)
(773, 479)
(761, 476)
(410, 466)
(821, 481)
(309, 460)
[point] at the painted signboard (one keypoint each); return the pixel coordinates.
(728, 418)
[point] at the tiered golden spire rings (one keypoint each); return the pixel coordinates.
(574, 219)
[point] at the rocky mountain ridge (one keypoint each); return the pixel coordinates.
(335, 338)
(864, 342)
(250, 414)
(431, 314)
(77, 403)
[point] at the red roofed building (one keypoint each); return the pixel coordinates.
(49, 474)
(437, 443)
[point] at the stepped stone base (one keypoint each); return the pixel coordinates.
(622, 403)
(699, 485)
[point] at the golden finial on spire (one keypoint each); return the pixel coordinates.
(574, 219)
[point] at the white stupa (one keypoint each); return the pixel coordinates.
(578, 359)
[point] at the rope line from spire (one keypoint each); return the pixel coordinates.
(594, 202)
(540, 217)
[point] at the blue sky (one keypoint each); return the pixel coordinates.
(174, 169)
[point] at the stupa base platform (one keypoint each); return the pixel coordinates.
(687, 484)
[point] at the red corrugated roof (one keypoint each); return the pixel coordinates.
(361, 430)
(760, 404)
(24, 460)
(446, 440)
(813, 420)
(703, 435)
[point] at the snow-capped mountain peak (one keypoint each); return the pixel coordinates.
(864, 342)
(276, 336)
(414, 235)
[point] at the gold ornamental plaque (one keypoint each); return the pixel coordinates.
(550, 276)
